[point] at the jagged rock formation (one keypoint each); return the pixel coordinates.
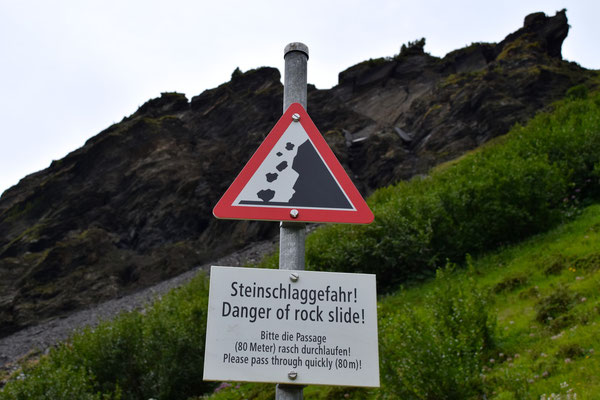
(133, 205)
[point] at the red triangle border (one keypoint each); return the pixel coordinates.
(226, 210)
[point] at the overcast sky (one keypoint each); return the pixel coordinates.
(71, 68)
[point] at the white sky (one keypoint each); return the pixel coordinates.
(71, 68)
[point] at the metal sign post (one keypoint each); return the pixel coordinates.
(292, 326)
(292, 234)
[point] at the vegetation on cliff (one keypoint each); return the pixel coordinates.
(522, 184)
(519, 323)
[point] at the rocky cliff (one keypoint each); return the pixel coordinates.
(133, 205)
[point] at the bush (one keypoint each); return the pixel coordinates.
(510, 283)
(577, 92)
(49, 380)
(437, 352)
(174, 344)
(413, 48)
(523, 184)
(555, 305)
(156, 354)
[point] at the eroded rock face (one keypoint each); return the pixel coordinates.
(133, 206)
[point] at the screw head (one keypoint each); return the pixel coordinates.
(296, 117)
(292, 375)
(294, 277)
(294, 213)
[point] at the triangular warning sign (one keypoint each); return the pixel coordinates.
(294, 176)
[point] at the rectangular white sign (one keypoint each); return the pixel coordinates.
(266, 326)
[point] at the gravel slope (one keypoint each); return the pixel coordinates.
(40, 338)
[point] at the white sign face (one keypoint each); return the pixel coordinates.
(265, 327)
(277, 182)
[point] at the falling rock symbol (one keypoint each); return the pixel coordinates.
(294, 170)
(294, 174)
(282, 165)
(266, 195)
(271, 176)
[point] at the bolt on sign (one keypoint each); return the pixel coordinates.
(294, 176)
(293, 327)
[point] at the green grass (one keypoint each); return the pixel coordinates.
(552, 351)
(528, 358)
(521, 184)
(542, 292)
(157, 353)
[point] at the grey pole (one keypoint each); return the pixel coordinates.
(294, 84)
(292, 234)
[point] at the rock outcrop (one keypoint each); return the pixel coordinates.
(133, 205)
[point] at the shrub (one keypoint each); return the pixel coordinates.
(413, 48)
(49, 380)
(577, 92)
(510, 283)
(174, 344)
(156, 354)
(438, 352)
(556, 265)
(523, 184)
(109, 352)
(555, 305)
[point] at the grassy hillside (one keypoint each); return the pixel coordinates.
(541, 300)
(521, 184)
(518, 322)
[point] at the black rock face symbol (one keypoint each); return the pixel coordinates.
(315, 186)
